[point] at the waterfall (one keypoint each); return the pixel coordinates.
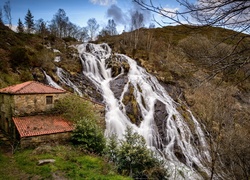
(170, 135)
(64, 78)
(50, 81)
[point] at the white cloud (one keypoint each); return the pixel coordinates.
(103, 2)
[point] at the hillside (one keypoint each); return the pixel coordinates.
(203, 69)
(186, 60)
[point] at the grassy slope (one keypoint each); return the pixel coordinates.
(70, 163)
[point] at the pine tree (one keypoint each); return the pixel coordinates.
(132, 157)
(20, 26)
(29, 21)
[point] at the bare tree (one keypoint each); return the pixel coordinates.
(82, 34)
(60, 22)
(232, 14)
(7, 11)
(111, 27)
(137, 20)
(93, 26)
(226, 13)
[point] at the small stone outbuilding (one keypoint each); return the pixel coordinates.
(20, 106)
(40, 129)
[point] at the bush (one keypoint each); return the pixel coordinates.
(72, 107)
(89, 136)
(69, 39)
(133, 158)
(19, 57)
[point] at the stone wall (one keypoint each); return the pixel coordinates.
(34, 141)
(33, 103)
(6, 109)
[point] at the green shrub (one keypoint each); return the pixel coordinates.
(69, 39)
(89, 136)
(72, 107)
(25, 75)
(133, 158)
(19, 57)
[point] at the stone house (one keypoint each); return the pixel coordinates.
(21, 109)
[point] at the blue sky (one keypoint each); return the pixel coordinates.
(79, 11)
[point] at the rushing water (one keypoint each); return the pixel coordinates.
(146, 91)
(173, 139)
(50, 81)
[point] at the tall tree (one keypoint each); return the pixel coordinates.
(83, 34)
(60, 22)
(93, 26)
(111, 27)
(29, 21)
(40, 26)
(53, 27)
(20, 26)
(7, 11)
(137, 20)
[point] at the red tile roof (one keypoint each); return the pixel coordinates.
(41, 125)
(31, 87)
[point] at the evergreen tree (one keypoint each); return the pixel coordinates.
(29, 21)
(20, 26)
(132, 157)
(88, 136)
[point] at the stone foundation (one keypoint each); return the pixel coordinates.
(34, 141)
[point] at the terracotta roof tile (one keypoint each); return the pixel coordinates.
(31, 87)
(41, 125)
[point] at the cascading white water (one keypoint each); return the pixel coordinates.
(51, 82)
(64, 78)
(146, 91)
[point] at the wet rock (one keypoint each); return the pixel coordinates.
(132, 107)
(174, 90)
(118, 84)
(160, 117)
(87, 87)
(117, 65)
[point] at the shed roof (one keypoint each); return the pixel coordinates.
(41, 125)
(31, 87)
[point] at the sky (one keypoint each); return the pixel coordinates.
(80, 11)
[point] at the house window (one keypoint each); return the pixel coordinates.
(49, 99)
